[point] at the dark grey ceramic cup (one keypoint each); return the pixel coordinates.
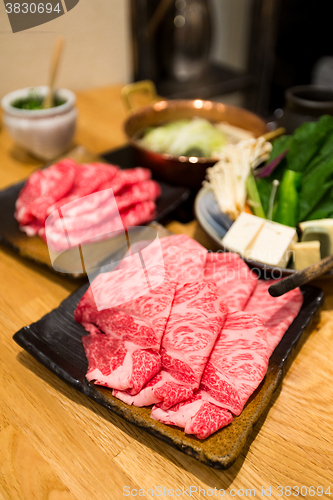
(305, 103)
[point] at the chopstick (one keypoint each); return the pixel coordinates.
(301, 277)
(57, 50)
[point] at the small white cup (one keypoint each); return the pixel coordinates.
(46, 133)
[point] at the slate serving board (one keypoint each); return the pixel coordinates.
(34, 247)
(55, 341)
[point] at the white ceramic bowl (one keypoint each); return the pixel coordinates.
(46, 133)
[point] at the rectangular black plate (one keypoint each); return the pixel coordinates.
(34, 247)
(55, 341)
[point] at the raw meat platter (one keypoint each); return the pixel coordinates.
(34, 247)
(208, 351)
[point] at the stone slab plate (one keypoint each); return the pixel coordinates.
(34, 247)
(55, 341)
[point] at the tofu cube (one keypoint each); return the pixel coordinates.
(305, 254)
(273, 244)
(242, 233)
(261, 240)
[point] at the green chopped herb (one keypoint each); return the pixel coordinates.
(35, 101)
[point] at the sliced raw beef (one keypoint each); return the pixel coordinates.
(136, 215)
(238, 362)
(62, 191)
(80, 214)
(114, 288)
(142, 191)
(196, 416)
(196, 318)
(86, 206)
(124, 342)
(234, 280)
(33, 228)
(30, 192)
(277, 313)
(236, 367)
(88, 179)
(42, 189)
(126, 178)
(183, 259)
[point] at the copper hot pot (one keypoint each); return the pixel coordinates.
(182, 170)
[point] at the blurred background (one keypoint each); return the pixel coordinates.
(244, 52)
(97, 48)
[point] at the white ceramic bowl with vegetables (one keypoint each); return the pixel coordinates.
(273, 204)
(45, 133)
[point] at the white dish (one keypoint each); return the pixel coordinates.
(216, 224)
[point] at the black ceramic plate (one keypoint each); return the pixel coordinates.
(35, 248)
(55, 341)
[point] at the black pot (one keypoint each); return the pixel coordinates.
(305, 103)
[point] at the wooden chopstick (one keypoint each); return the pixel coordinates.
(57, 50)
(301, 277)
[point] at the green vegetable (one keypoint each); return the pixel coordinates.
(314, 186)
(279, 146)
(264, 185)
(35, 101)
(325, 153)
(311, 154)
(194, 151)
(275, 185)
(197, 137)
(160, 139)
(306, 142)
(324, 209)
(254, 197)
(287, 212)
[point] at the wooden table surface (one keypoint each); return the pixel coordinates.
(56, 444)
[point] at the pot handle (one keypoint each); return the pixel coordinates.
(139, 94)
